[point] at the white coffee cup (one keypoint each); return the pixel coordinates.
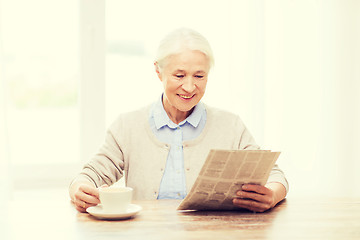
(115, 199)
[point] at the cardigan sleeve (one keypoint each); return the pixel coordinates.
(277, 175)
(107, 166)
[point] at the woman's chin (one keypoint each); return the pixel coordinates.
(185, 108)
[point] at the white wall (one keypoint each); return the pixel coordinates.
(309, 93)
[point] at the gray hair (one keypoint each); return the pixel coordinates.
(180, 40)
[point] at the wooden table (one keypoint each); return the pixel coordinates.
(50, 215)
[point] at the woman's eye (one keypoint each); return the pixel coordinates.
(199, 76)
(179, 76)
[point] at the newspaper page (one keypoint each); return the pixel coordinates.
(223, 174)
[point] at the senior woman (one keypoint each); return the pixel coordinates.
(161, 147)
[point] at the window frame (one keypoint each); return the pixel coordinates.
(91, 106)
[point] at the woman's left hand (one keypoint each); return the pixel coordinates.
(255, 198)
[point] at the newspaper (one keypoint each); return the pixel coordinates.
(223, 174)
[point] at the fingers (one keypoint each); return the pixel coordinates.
(256, 188)
(81, 206)
(89, 190)
(86, 196)
(254, 197)
(251, 205)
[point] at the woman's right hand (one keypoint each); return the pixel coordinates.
(85, 195)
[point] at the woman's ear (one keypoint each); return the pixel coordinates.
(157, 70)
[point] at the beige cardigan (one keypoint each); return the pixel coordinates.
(131, 146)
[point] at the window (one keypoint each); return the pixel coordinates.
(40, 69)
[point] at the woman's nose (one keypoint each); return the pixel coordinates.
(189, 85)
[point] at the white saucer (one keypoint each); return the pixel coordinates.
(97, 211)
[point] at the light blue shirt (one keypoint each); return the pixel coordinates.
(173, 184)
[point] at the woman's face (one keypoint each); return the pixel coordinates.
(184, 77)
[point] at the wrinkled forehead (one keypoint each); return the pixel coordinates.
(187, 60)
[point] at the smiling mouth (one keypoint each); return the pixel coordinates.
(185, 96)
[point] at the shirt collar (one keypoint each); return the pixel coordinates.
(161, 118)
(196, 115)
